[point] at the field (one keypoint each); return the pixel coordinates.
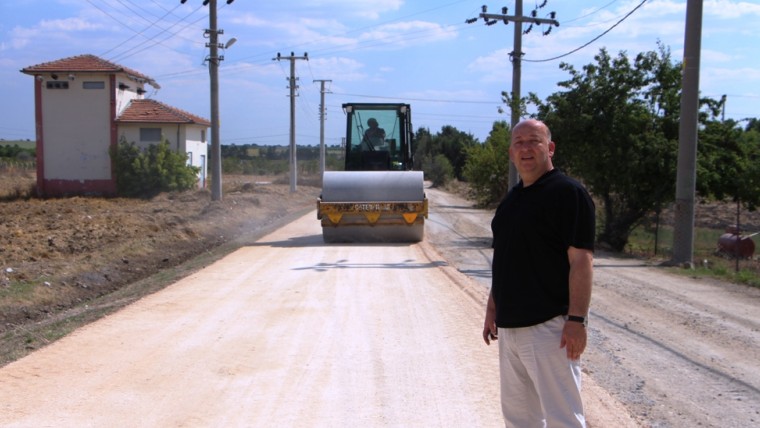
(67, 261)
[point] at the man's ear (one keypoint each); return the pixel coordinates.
(552, 147)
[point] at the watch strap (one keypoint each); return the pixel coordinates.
(576, 318)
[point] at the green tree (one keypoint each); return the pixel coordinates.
(487, 166)
(450, 142)
(615, 125)
(423, 148)
(439, 170)
(727, 164)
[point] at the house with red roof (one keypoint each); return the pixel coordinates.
(83, 106)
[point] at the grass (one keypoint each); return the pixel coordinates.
(707, 263)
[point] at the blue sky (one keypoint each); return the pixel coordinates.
(416, 51)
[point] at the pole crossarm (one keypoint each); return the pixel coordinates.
(489, 17)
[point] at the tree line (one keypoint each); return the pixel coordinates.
(615, 123)
(616, 126)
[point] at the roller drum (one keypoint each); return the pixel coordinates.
(373, 187)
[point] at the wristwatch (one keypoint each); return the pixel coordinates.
(576, 318)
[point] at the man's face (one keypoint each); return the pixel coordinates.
(531, 151)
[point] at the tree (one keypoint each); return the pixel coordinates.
(487, 166)
(453, 144)
(450, 142)
(727, 164)
(615, 126)
(439, 170)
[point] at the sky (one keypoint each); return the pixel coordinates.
(420, 52)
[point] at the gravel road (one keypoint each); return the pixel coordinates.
(284, 332)
(290, 332)
(674, 350)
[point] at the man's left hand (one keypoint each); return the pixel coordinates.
(573, 339)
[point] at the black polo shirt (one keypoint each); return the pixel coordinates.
(532, 230)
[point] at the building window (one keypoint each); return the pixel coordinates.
(189, 158)
(55, 84)
(150, 134)
(203, 135)
(93, 85)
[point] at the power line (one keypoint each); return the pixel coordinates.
(599, 9)
(417, 99)
(592, 40)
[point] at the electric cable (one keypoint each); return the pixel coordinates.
(592, 40)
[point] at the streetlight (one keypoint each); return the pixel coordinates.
(213, 68)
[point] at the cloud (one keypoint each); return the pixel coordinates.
(68, 25)
(369, 9)
(348, 69)
(301, 31)
(403, 34)
(731, 9)
(49, 29)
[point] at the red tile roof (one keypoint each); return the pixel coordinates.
(156, 112)
(85, 63)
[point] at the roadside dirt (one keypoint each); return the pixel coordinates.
(62, 260)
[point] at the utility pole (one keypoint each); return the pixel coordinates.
(213, 69)
(516, 55)
(293, 87)
(683, 233)
(322, 125)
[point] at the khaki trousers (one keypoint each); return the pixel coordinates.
(540, 386)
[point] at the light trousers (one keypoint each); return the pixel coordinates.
(540, 386)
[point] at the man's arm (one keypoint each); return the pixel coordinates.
(581, 277)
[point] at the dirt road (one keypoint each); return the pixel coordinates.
(676, 351)
(290, 332)
(285, 332)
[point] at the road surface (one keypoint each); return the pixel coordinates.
(290, 332)
(285, 332)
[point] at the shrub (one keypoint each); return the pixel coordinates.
(148, 172)
(487, 171)
(438, 170)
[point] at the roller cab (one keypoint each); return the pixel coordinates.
(377, 198)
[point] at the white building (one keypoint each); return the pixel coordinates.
(83, 106)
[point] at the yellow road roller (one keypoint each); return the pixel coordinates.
(378, 198)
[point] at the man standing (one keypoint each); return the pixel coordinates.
(543, 241)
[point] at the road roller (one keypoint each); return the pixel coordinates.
(377, 198)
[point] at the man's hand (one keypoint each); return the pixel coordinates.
(489, 326)
(490, 333)
(573, 339)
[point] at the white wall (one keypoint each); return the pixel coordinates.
(76, 126)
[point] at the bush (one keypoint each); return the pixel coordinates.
(487, 172)
(148, 172)
(438, 170)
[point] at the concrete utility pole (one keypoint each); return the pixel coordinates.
(515, 56)
(683, 234)
(213, 69)
(293, 87)
(322, 125)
